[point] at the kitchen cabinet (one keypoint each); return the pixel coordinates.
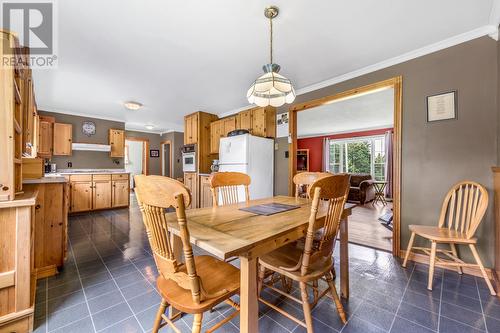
(117, 142)
(215, 135)
(81, 195)
(45, 136)
(101, 196)
(51, 217)
(205, 192)
(191, 129)
(121, 193)
(99, 191)
(29, 115)
(264, 122)
(229, 125)
(190, 181)
(245, 120)
(63, 134)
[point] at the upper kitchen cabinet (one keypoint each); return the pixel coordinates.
(220, 129)
(117, 142)
(191, 129)
(62, 139)
(264, 122)
(45, 134)
(245, 120)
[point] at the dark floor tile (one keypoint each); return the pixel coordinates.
(81, 326)
(491, 306)
(136, 289)
(67, 288)
(111, 316)
(383, 301)
(463, 315)
(100, 289)
(402, 325)
(63, 302)
(284, 321)
(464, 301)
(128, 279)
(95, 279)
(421, 288)
(371, 313)
(418, 316)
(327, 313)
(129, 325)
(492, 324)
(146, 319)
(356, 325)
(40, 310)
(39, 326)
(426, 302)
(266, 324)
(144, 301)
(67, 316)
(105, 301)
(123, 270)
(451, 326)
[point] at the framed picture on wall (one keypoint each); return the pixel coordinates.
(442, 106)
(154, 153)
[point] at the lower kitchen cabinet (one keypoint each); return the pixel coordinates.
(99, 191)
(191, 182)
(50, 229)
(205, 192)
(121, 193)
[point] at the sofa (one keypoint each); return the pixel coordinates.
(361, 189)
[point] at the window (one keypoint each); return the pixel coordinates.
(358, 155)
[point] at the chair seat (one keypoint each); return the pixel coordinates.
(215, 275)
(444, 235)
(288, 256)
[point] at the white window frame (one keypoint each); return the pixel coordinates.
(343, 142)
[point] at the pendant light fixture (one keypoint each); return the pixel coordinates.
(271, 88)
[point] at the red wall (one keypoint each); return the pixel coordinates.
(315, 145)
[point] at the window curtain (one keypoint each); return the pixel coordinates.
(389, 137)
(326, 154)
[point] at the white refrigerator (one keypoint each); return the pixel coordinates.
(252, 155)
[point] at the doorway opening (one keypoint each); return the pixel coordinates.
(357, 132)
(136, 157)
(166, 158)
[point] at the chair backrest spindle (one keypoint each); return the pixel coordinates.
(225, 185)
(306, 179)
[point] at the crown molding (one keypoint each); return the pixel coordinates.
(495, 18)
(486, 30)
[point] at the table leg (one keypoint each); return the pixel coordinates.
(177, 248)
(344, 259)
(249, 307)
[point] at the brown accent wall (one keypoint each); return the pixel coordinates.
(437, 155)
(87, 159)
(177, 139)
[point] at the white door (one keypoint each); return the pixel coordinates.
(133, 162)
(233, 150)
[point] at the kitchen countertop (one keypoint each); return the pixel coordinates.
(89, 171)
(45, 180)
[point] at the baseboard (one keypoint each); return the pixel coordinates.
(46, 271)
(424, 259)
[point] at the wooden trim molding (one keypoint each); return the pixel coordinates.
(397, 84)
(496, 199)
(7, 279)
(145, 152)
(169, 142)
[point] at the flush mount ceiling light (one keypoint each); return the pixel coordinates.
(271, 88)
(150, 127)
(132, 105)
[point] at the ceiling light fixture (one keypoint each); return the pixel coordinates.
(132, 105)
(150, 127)
(271, 88)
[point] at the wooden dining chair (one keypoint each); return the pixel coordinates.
(305, 179)
(201, 282)
(461, 213)
(314, 261)
(225, 185)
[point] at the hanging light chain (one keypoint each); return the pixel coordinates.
(271, 42)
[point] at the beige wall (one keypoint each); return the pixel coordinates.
(437, 155)
(87, 159)
(177, 139)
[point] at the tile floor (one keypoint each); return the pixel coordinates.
(107, 285)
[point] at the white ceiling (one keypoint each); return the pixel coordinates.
(177, 57)
(369, 111)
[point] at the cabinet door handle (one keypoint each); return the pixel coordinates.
(38, 206)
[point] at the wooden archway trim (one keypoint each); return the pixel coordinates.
(397, 84)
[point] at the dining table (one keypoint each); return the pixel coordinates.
(227, 231)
